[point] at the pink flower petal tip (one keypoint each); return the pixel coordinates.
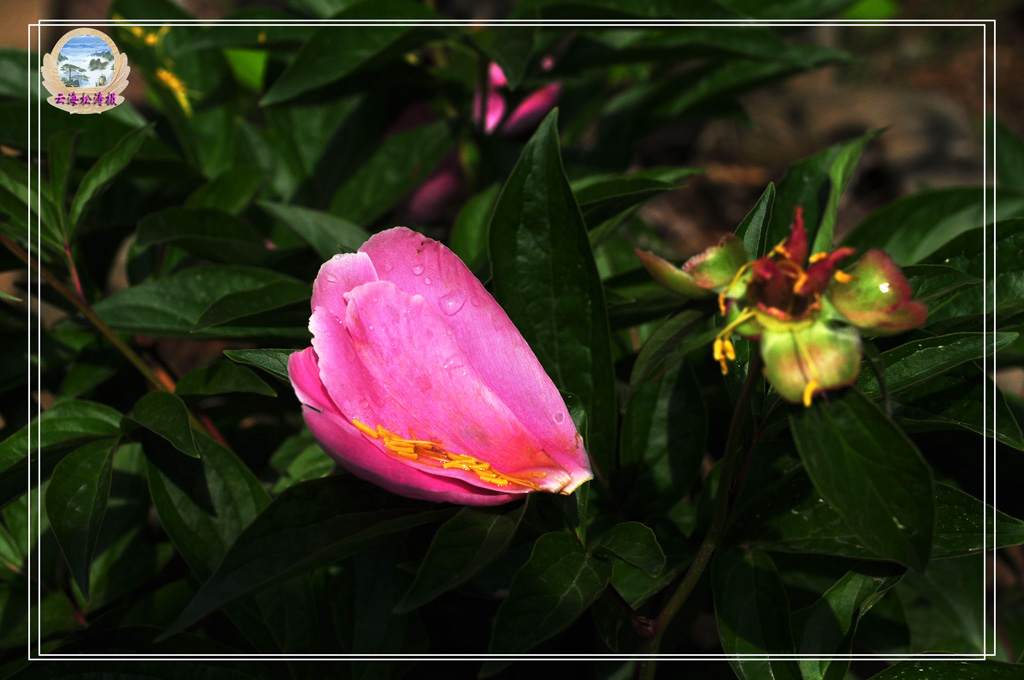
(418, 381)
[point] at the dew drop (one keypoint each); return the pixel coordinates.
(475, 300)
(417, 269)
(427, 281)
(332, 278)
(369, 328)
(453, 301)
(388, 266)
(423, 382)
(559, 417)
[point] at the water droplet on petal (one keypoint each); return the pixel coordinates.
(423, 382)
(453, 301)
(331, 278)
(417, 269)
(369, 328)
(427, 281)
(559, 417)
(475, 300)
(388, 266)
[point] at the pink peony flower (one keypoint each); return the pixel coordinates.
(418, 381)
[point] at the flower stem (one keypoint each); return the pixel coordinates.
(718, 520)
(165, 384)
(86, 311)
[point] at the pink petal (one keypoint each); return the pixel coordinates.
(338, 276)
(532, 110)
(360, 457)
(495, 110)
(496, 76)
(431, 391)
(493, 346)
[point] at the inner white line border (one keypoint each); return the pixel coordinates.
(988, 448)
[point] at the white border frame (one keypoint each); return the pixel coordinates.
(989, 443)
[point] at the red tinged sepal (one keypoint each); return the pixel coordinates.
(702, 275)
(876, 297)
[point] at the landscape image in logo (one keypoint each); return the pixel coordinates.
(85, 61)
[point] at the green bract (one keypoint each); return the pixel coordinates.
(808, 313)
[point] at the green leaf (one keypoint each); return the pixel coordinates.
(61, 163)
(945, 670)
(231, 191)
(634, 298)
(396, 167)
(310, 525)
(165, 414)
(974, 253)
(911, 229)
(871, 473)
(603, 197)
(319, 61)
(297, 459)
(791, 516)
(272, 295)
(221, 378)
(175, 304)
(326, 233)
(633, 543)
(462, 546)
(555, 587)
(839, 172)
(664, 438)
(828, 625)
(205, 232)
(931, 282)
(917, 361)
(670, 343)
(469, 239)
(963, 399)
(103, 172)
(945, 606)
(273, 361)
(16, 198)
(546, 280)
(203, 504)
(64, 423)
(752, 228)
(806, 183)
(753, 613)
(76, 500)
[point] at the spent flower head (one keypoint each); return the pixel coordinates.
(807, 311)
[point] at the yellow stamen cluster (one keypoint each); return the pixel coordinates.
(432, 454)
(723, 348)
(723, 351)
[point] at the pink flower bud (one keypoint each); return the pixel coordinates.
(418, 381)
